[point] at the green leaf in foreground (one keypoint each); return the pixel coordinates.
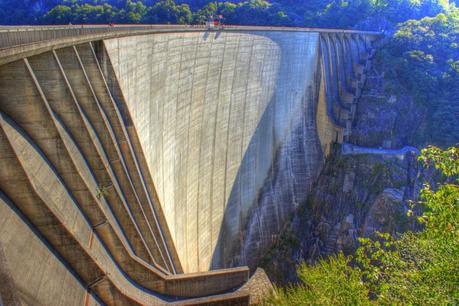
(417, 268)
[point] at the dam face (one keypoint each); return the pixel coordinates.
(129, 158)
(212, 111)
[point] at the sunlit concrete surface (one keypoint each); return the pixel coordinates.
(227, 125)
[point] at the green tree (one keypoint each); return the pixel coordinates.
(202, 15)
(60, 14)
(167, 11)
(132, 12)
(257, 12)
(372, 14)
(423, 58)
(81, 13)
(416, 269)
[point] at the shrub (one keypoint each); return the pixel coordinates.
(416, 269)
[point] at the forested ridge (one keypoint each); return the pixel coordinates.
(364, 14)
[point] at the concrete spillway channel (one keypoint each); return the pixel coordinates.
(147, 165)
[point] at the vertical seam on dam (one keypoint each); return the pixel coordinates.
(213, 151)
(243, 123)
(228, 125)
(175, 126)
(188, 147)
(198, 216)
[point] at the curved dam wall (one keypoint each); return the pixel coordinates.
(128, 157)
(227, 124)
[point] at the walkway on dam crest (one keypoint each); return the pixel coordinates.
(21, 41)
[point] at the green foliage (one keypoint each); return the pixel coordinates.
(83, 13)
(320, 285)
(373, 14)
(414, 269)
(442, 205)
(251, 12)
(423, 54)
(447, 161)
(166, 11)
(367, 14)
(410, 271)
(61, 14)
(101, 192)
(422, 58)
(132, 12)
(259, 12)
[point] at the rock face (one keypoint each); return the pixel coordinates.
(338, 212)
(385, 120)
(385, 213)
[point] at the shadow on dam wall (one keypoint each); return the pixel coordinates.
(233, 156)
(288, 160)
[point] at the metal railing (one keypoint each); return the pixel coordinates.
(12, 36)
(21, 35)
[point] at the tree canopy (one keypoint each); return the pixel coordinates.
(368, 14)
(423, 58)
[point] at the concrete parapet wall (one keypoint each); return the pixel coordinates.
(11, 36)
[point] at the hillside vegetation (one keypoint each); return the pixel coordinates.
(416, 269)
(365, 14)
(422, 59)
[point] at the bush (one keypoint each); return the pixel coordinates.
(330, 282)
(415, 269)
(422, 59)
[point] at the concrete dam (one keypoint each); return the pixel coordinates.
(149, 165)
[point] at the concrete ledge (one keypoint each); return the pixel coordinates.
(15, 52)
